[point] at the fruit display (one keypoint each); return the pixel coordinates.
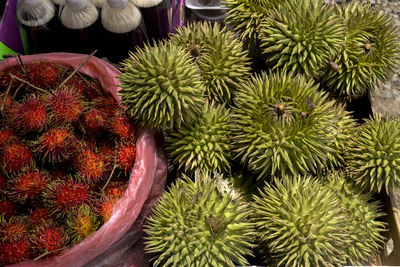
(67, 149)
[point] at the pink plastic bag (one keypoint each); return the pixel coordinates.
(117, 242)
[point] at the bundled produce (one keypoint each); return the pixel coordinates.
(65, 146)
(200, 223)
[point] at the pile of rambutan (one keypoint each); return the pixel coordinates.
(66, 152)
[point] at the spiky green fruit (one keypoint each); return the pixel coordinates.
(205, 144)
(161, 86)
(374, 154)
(302, 36)
(283, 124)
(301, 222)
(194, 224)
(223, 63)
(365, 238)
(370, 54)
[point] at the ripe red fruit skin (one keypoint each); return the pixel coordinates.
(90, 166)
(66, 105)
(15, 250)
(7, 136)
(7, 208)
(107, 153)
(28, 185)
(122, 127)
(13, 228)
(5, 78)
(76, 83)
(15, 157)
(49, 237)
(3, 182)
(108, 105)
(94, 122)
(56, 145)
(39, 216)
(126, 154)
(43, 74)
(64, 195)
(115, 189)
(104, 207)
(30, 115)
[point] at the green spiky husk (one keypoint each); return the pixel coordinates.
(282, 124)
(301, 223)
(81, 222)
(195, 225)
(302, 36)
(161, 86)
(204, 145)
(365, 238)
(361, 69)
(374, 154)
(223, 63)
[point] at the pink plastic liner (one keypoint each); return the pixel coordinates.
(117, 242)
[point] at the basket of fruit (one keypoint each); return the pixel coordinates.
(76, 176)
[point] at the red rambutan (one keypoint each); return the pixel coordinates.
(30, 115)
(108, 105)
(126, 154)
(49, 237)
(13, 228)
(15, 250)
(94, 121)
(43, 74)
(104, 207)
(93, 90)
(3, 181)
(81, 223)
(7, 208)
(28, 185)
(66, 105)
(39, 216)
(115, 189)
(5, 78)
(57, 144)
(90, 166)
(77, 84)
(107, 153)
(9, 104)
(15, 157)
(7, 136)
(64, 195)
(122, 127)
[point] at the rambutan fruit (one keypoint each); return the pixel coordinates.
(39, 216)
(28, 185)
(43, 74)
(122, 127)
(30, 115)
(104, 207)
(7, 136)
(9, 103)
(107, 153)
(15, 157)
(90, 165)
(108, 105)
(5, 78)
(15, 250)
(76, 83)
(125, 156)
(115, 189)
(94, 122)
(3, 181)
(66, 105)
(49, 237)
(13, 228)
(7, 208)
(56, 145)
(81, 223)
(64, 195)
(93, 90)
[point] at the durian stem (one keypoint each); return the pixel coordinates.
(48, 253)
(6, 94)
(109, 177)
(77, 69)
(28, 83)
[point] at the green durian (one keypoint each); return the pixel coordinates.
(161, 86)
(365, 238)
(302, 36)
(199, 223)
(205, 144)
(223, 63)
(283, 125)
(374, 154)
(301, 223)
(370, 54)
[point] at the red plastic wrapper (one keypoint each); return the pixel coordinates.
(118, 241)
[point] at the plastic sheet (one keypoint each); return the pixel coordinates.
(117, 242)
